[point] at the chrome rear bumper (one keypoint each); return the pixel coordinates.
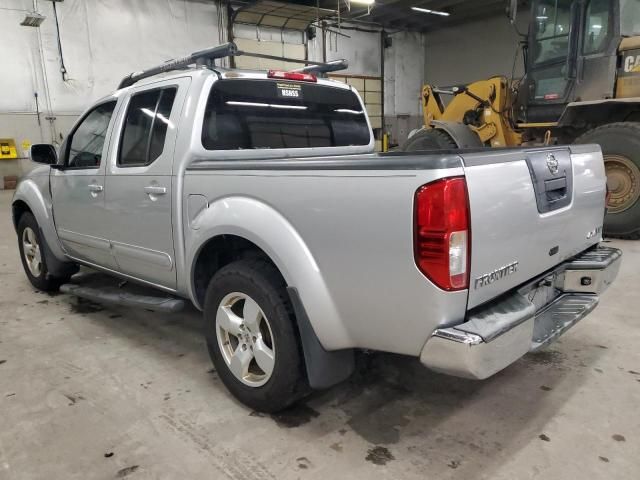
(498, 334)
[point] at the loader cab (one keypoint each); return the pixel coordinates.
(572, 54)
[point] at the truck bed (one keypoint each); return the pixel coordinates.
(355, 216)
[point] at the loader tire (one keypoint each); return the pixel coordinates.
(620, 143)
(429, 139)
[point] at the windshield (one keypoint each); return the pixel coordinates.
(248, 114)
(630, 17)
(551, 30)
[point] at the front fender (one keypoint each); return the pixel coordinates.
(262, 225)
(34, 192)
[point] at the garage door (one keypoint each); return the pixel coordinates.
(278, 49)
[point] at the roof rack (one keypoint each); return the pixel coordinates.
(320, 68)
(206, 57)
(202, 57)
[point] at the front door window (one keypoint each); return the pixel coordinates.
(87, 141)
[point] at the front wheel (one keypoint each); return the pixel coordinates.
(252, 337)
(31, 246)
(620, 143)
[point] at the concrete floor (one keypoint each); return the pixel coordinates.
(91, 392)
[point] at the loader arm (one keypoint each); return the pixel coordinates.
(483, 106)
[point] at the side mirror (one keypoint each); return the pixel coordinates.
(44, 153)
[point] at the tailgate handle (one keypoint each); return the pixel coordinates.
(555, 189)
(555, 184)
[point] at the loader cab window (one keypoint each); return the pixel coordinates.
(551, 28)
(549, 41)
(597, 26)
(630, 18)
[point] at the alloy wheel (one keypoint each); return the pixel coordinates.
(245, 339)
(31, 251)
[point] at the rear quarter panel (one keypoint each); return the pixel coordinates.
(357, 228)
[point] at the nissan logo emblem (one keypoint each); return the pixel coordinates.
(552, 164)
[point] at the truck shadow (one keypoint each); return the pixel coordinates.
(399, 409)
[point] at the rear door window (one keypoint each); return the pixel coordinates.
(145, 127)
(251, 114)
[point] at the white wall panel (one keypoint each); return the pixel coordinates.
(473, 51)
(404, 74)
(361, 50)
(102, 40)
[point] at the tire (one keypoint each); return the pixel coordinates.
(620, 143)
(232, 297)
(429, 139)
(31, 245)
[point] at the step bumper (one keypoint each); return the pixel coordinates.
(496, 335)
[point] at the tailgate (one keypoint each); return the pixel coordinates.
(531, 209)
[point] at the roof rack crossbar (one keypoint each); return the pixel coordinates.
(321, 68)
(207, 56)
(311, 66)
(201, 57)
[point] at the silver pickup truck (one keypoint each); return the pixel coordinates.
(257, 196)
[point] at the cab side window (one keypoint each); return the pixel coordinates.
(87, 141)
(145, 127)
(597, 26)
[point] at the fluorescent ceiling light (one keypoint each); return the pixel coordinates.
(364, 2)
(32, 19)
(267, 105)
(348, 110)
(433, 12)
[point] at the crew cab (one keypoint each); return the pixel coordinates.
(258, 197)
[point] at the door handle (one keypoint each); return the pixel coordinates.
(155, 190)
(94, 188)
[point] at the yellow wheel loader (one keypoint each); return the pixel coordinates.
(581, 85)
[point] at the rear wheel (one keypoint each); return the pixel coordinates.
(429, 139)
(251, 335)
(31, 246)
(620, 143)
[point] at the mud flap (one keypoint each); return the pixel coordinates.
(324, 369)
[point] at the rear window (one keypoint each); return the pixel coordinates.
(248, 114)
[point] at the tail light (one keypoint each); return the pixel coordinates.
(442, 233)
(298, 76)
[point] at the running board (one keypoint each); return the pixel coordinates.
(119, 296)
